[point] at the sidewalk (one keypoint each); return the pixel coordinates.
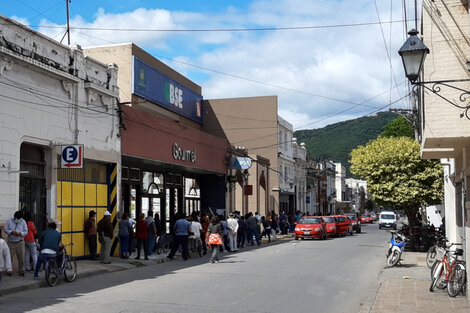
(405, 288)
(86, 268)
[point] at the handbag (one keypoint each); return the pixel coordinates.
(214, 239)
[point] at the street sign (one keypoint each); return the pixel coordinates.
(307, 199)
(72, 156)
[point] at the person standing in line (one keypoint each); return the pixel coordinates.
(105, 233)
(152, 233)
(31, 249)
(182, 228)
(274, 227)
(205, 225)
(195, 235)
(16, 229)
(232, 228)
(214, 238)
(90, 232)
(141, 233)
(124, 232)
(266, 228)
(49, 242)
(5, 258)
(132, 238)
(252, 226)
(241, 234)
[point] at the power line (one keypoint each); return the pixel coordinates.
(242, 29)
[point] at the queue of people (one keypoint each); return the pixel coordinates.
(210, 232)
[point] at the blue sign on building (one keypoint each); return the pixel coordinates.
(307, 199)
(154, 86)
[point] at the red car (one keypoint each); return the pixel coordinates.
(331, 230)
(310, 227)
(343, 225)
(366, 218)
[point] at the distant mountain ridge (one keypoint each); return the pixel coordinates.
(336, 141)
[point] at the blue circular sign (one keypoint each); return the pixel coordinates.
(69, 154)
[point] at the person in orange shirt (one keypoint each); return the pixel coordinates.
(31, 249)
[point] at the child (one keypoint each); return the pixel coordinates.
(5, 259)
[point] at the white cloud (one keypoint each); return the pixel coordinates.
(348, 63)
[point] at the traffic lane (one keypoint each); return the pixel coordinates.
(304, 275)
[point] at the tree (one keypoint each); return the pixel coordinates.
(396, 175)
(398, 127)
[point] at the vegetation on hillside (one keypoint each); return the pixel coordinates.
(335, 142)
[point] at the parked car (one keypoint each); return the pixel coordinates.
(355, 221)
(374, 216)
(330, 226)
(388, 219)
(343, 225)
(310, 227)
(366, 218)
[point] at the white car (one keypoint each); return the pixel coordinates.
(388, 219)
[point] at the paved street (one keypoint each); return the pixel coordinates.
(306, 276)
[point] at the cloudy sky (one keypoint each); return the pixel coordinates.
(327, 60)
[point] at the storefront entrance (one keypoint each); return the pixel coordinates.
(32, 197)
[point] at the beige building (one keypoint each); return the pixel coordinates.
(251, 127)
(445, 127)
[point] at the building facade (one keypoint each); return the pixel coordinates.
(169, 163)
(250, 126)
(286, 167)
(300, 183)
(59, 133)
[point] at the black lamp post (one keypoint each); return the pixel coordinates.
(413, 53)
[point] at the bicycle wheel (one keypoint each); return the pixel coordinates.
(456, 280)
(52, 273)
(70, 270)
(437, 279)
(431, 256)
(393, 258)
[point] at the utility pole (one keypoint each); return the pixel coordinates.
(67, 32)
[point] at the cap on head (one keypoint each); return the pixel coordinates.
(106, 213)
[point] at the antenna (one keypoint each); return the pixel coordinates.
(67, 32)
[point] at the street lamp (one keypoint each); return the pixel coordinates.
(413, 53)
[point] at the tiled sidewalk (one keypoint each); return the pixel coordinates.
(405, 289)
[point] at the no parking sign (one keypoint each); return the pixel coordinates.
(72, 156)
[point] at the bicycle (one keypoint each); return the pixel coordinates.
(450, 272)
(436, 252)
(67, 269)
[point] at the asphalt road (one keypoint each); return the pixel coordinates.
(333, 275)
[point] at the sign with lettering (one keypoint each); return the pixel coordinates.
(156, 87)
(183, 154)
(72, 156)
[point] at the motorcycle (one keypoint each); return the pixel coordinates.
(397, 246)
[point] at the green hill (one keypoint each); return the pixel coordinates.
(335, 142)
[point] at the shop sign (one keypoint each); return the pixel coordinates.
(154, 86)
(72, 156)
(183, 154)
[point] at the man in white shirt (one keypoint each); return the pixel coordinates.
(195, 242)
(232, 224)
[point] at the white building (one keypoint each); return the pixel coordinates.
(286, 166)
(359, 193)
(51, 96)
(300, 185)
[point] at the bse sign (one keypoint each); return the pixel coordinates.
(72, 156)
